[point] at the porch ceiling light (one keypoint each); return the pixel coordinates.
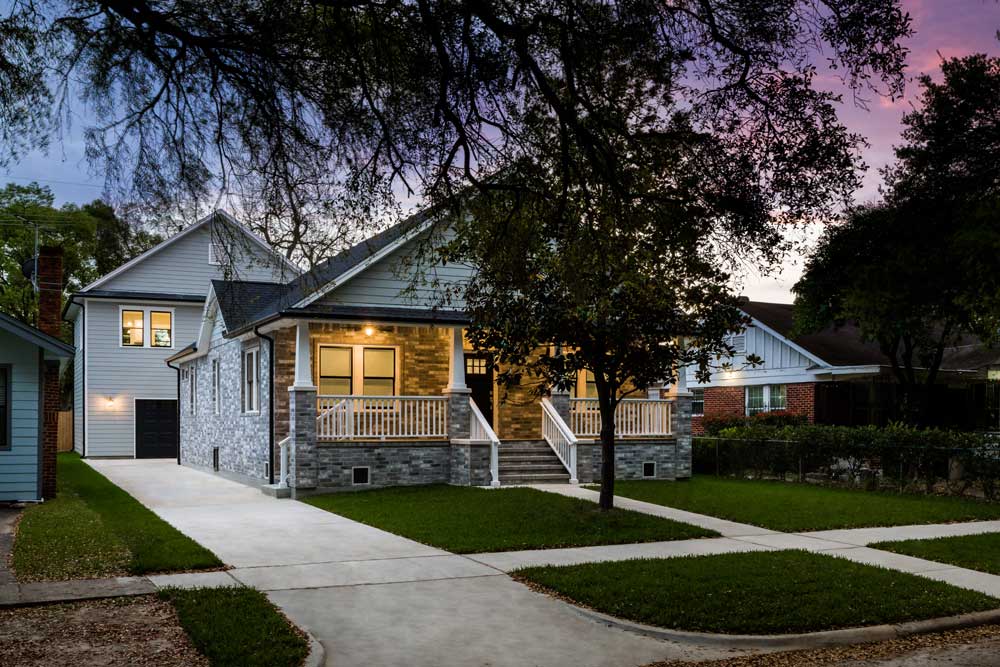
(369, 330)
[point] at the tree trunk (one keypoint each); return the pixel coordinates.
(607, 500)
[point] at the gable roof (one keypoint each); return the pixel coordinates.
(36, 336)
(843, 345)
(217, 214)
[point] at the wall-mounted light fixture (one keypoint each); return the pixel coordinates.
(109, 401)
(369, 330)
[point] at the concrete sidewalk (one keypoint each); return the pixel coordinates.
(374, 598)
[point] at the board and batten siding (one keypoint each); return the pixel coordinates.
(388, 282)
(782, 363)
(124, 374)
(182, 267)
(19, 465)
(78, 370)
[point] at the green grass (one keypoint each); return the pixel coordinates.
(755, 593)
(94, 529)
(470, 520)
(975, 552)
(793, 507)
(237, 627)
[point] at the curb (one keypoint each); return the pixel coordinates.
(808, 640)
(317, 654)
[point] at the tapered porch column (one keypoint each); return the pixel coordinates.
(457, 392)
(302, 416)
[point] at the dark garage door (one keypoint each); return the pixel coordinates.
(155, 429)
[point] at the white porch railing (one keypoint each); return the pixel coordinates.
(560, 438)
(381, 417)
(480, 430)
(635, 417)
(283, 463)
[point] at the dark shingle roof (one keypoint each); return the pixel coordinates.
(35, 336)
(843, 345)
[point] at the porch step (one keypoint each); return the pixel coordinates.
(530, 462)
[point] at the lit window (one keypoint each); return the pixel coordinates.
(475, 366)
(161, 329)
(591, 385)
(132, 328)
(250, 385)
(766, 398)
(697, 402)
(335, 364)
(380, 371)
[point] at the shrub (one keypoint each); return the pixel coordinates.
(715, 425)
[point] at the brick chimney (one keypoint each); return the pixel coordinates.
(50, 286)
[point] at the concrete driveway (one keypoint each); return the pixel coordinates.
(374, 598)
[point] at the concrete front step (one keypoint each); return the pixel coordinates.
(555, 469)
(526, 478)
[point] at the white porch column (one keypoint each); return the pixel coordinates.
(303, 358)
(456, 361)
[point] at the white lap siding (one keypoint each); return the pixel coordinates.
(78, 370)
(123, 374)
(242, 438)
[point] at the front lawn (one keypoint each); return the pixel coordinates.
(975, 552)
(470, 520)
(95, 529)
(755, 593)
(237, 627)
(791, 507)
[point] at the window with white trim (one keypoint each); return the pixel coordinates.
(697, 402)
(217, 252)
(379, 371)
(133, 328)
(766, 398)
(365, 370)
(215, 386)
(193, 390)
(250, 393)
(146, 326)
(161, 327)
(336, 372)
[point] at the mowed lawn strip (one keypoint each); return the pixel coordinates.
(470, 520)
(237, 627)
(792, 507)
(95, 529)
(975, 552)
(755, 593)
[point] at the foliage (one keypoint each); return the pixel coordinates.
(47, 546)
(975, 552)
(94, 241)
(316, 110)
(914, 273)
(714, 425)
(755, 593)
(910, 456)
(237, 627)
(789, 507)
(471, 520)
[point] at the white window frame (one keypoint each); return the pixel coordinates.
(767, 407)
(215, 386)
(693, 400)
(147, 326)
(358, 365)
(213, 255)
(250, 395)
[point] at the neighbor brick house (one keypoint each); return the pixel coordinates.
(358, 373)
(831, 377)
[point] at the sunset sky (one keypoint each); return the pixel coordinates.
(944, 28)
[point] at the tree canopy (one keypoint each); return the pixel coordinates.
(917, 272)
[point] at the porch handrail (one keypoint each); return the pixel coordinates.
(283, 462)
(634, 417)
(480, 429)
(381, 417)
(560, 438)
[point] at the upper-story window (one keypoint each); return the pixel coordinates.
(133, 328)
(217, 252)
(147, 326)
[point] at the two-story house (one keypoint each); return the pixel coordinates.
(129, 321)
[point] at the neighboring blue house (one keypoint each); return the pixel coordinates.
(24, 354)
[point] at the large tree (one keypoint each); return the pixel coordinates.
(326, 109)
(917, 272)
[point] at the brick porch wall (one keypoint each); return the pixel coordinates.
(802, 400)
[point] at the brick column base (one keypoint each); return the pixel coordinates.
(680, 423)
(302, 472)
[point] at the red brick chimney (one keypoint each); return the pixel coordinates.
(50, 286)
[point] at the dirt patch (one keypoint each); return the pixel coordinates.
(136, 631)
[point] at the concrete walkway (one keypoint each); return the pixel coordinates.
(846, 543)
(374, 598)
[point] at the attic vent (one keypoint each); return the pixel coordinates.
(361, 476)
(739, 343)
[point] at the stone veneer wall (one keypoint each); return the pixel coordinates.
(241, 438)
(629, 457)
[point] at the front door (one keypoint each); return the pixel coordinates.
(155, 429)
(479, 379)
